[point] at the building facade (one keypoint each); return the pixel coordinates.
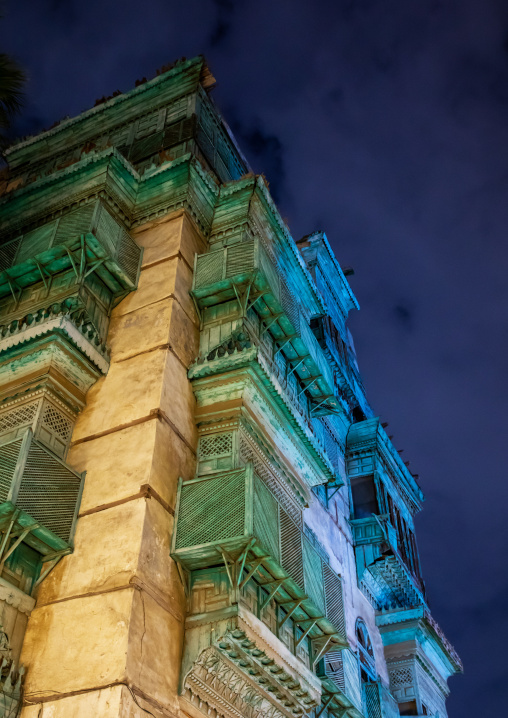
(200, 515)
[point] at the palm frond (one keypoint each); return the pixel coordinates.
(12, 80)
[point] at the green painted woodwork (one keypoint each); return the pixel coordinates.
(87, 240)
(340, 675)
(245, 270)
(34, 480)
(225, 515)
(183, 79)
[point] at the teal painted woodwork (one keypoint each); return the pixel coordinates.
(234, 513)
(85, 240)
(34, 480)
(274, 341)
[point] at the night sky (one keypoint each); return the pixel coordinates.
(384, 123)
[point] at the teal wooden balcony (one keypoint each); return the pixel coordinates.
(340, 676)
(380, 566)
(89, 239)
(34, 481)
(245, 271)
(233, 519)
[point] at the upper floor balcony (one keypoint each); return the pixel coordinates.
(35, 482)
(86, 240)
(342, 690)
(384, 574)
(234, 519)
(246, 272)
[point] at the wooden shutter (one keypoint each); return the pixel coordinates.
(266, 522)
(313, 573)
(334, 601)
(291, 548)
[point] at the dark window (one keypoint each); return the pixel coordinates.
(408, 708)
(364, 497)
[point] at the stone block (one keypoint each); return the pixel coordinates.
(104, 703)
(155, 568)
(106, 554)
(155, 651)
(129, 392)
(125, 457)
(177, 399)
(165, 237)
(77, 645)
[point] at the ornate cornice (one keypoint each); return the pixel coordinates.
(81, 336)
(239, 680)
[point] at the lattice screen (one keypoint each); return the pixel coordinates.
(209, 269)
(313, 575)
(215, 452)
(8, 459)
(57, 422)
(54, 429)
(49, 491)
(240, 258)
(18, 416)
(8, 252)
(400, 677)
(334, 668)
(372, 700)
(266, 518)
(250, 452)
(352, 677)
(211, 510)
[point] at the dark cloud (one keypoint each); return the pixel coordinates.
(223, 23)
(264, 151)
(404, 316)
(386, 124)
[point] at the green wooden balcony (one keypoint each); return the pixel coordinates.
(36, 482)
(245, 271)
(340, 676)
(89, 239)
(233, 519)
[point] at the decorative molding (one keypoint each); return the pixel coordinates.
(239, 680)
(16, 598)
(79, 336)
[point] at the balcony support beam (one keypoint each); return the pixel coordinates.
(254, 567)
(283, 344)
(267, 325)
(295, 367)
(324, 705)
(271, 595)
(308, 384)
(323, 400)
(291, 611)
(51, 565)
(307, 630)
(261, 294)
(16, 543)
(324, 647)
(243, 297)
(7, 534)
